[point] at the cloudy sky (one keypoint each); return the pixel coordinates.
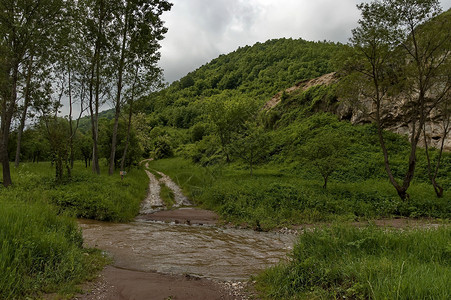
(201, 30)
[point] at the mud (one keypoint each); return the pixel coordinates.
(120, 284)
(189, 216)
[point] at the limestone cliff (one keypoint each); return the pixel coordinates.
(363, 111)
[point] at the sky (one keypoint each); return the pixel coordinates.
(201, 30)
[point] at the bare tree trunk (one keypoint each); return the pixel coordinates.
(127, 142)
(71, 130)
(433, 176)
(129, 125)
(7, 114)
(27, 99)
(118, 96)
(380, 133)
(95, 80)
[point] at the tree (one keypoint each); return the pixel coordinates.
(250, 145)
(57, 130)
(138, 30)
(326, 152)
(444, 112)
(228, 114)
(399, 55)
(24, 25)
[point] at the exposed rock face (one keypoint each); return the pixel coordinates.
(304, 85)
(364, 110)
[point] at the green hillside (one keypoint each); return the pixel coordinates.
(257, 71)
(267, 168)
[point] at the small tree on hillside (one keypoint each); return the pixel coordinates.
(228, 115)
(250, 145)
(326, 152)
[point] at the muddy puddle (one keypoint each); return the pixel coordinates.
(210, 252)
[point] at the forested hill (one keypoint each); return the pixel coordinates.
(257, 71)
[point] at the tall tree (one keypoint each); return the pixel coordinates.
(95, 18)
(139, 29)
(444, 112)
(26, 103)
(23, 26)
(399, 54)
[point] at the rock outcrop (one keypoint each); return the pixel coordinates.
(363, 111)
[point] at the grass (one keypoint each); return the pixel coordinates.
(350, 263)
(167, 195)
(274, 197)
(86, 195)
(41, 251)
(40, 244)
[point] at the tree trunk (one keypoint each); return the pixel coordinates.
(6, 117)
(432, 177)
(71, 130)
(129, 125)
(127, 142)
(325, 182)
(24, 112)
(118, 96)
(95, 84)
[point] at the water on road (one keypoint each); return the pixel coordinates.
(211, 252)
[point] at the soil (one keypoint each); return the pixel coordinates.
(120, 284)
(190, 216)
(326, 79)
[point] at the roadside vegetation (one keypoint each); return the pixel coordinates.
(41, 245)
(344, 262)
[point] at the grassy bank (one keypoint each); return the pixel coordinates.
(370, 263)
(86, 195)
(40, 243)
(41, 251)
(275, 197)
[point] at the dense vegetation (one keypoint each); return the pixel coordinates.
(41, 248)
(256, 72)
(369, 263)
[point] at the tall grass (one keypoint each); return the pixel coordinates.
(40, 251)
(86, 195)
(40, 244)
(370, 263)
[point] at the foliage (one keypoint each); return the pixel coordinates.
(252, 72)
(401, 50)
(326, 152)
(40, 244)
(40, 249)
(366, 263)
(134, 154)
(277, 195)
(251, 144)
